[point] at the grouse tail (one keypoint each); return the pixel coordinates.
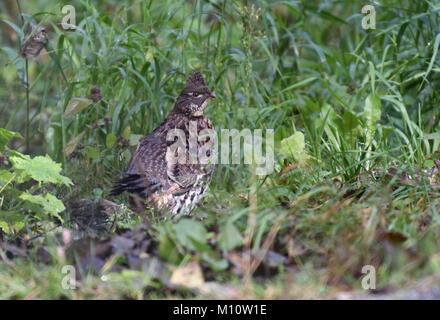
(132, 183)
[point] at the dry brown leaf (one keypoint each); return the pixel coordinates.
(189, 276)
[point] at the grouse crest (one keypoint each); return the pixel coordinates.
(162, 170)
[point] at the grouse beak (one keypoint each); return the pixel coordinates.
(212, 95)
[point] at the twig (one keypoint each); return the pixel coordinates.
(26, 86)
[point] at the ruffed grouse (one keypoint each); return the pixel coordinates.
(173, 186)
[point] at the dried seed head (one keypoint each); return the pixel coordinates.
(34, 42)
(95, 94)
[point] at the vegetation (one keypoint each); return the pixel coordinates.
(356, 121)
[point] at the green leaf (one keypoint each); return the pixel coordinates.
(110, 140)
(432, 136)
(294, 146)
(5, 176)
(250, 114)
(4, 226)
(135, 138)
(372, 113)
(428, 164)
(18, 63)
(11, 221)
(191, 234)
(324, 14)
(76, 105)
(216, 264)
(41, 169)
(126, 154)
(350, 123)
(5, 136)
(168, 250)
(229, 237)
(50, 204)
(331, 123)
(299, 84)
(433, 58)
(92, 152)
(126, 133)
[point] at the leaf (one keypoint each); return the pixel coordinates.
(324, 14)
(41, 169)
(349, 125)
(126, 133)
(16, 28)
(4, 227)
(76, 105)
(434, 56)
(299, 84)
(49, 203)
(372, 113)
(216, 264)
(110, 140)
(294, 146)
(71, 145)
(330, 121)
(229, 237)
(5, 176)
(134, 139)
(191, 234)
(349, 122)
(11, 221)
(250, 114)
(168, 250)
(92, 152)
(127, 155)
(5, 136)
(189, 276)
(18, 63)
(432, 136)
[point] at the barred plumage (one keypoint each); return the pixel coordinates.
(176, 187)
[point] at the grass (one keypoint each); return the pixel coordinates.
(365, 101)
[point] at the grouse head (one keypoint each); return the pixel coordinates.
(194, 96)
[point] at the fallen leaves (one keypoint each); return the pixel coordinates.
(190, 276)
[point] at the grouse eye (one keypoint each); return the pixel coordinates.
(195, 94)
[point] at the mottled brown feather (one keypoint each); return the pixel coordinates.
(176, 187)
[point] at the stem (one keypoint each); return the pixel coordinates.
(27, 110)
(8, 182)
(26, 87)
